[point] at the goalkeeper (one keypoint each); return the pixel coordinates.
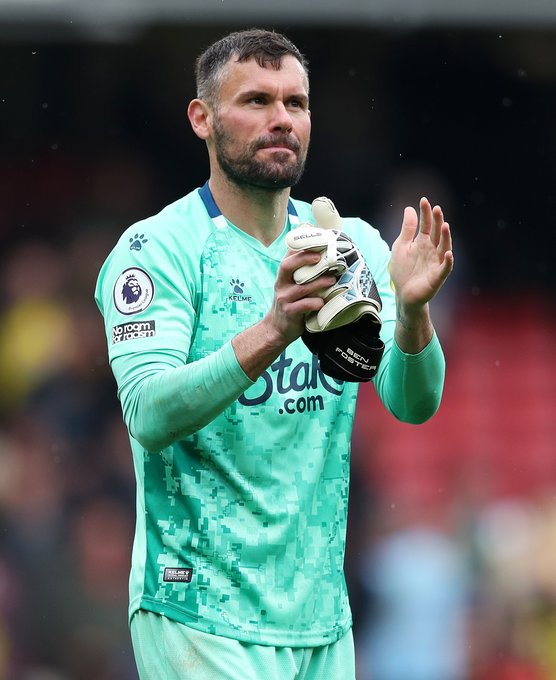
(238, 356)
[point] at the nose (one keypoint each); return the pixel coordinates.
(281, 119)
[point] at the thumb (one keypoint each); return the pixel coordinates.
(409, 225)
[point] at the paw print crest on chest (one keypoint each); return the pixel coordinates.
(237, 286)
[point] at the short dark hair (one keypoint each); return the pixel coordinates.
(266, 47)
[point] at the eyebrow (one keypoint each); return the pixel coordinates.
(302, 96)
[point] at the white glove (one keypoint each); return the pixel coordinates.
(354, 293)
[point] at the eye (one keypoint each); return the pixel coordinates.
(296, 103)
(258, 100)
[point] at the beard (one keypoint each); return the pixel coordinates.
(245, 169)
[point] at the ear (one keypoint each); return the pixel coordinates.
(200, 118)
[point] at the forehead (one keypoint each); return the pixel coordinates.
(248, 75)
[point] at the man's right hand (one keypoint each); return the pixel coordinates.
(258, 346)
(293, 301)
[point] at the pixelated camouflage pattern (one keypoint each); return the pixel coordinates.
(255, 503)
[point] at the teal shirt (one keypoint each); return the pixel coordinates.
(242, 486)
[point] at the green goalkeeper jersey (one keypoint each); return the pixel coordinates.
(242, 486)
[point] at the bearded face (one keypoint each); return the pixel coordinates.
(277, 170)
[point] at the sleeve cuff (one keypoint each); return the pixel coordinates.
(423, 355)
(236, 372)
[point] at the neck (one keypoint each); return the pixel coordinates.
(261, 213)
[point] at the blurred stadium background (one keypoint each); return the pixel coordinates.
(452, 545)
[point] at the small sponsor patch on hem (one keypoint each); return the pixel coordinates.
(133, 331)
(178, 575)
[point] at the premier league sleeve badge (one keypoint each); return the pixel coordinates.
(133, 291)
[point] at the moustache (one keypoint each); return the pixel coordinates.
(287, 142)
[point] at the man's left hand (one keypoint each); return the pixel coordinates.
(422, 256)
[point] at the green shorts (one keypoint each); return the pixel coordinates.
(168, 650)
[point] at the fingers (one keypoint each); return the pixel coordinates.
(425, 216)
(437, 222)
(313, 289)
(294, 260)
(292, 301)
(445, 251)
(445, 239)
(445, 269)
(289, 291)
(431, 221)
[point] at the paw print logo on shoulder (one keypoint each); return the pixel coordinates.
(136, 242)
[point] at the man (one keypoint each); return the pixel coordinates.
(240, 441)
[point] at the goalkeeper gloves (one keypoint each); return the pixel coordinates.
(345, 332)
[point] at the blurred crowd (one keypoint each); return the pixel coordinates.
(66, 486)
(451, 557)
(454, 543)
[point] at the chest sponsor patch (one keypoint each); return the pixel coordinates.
(133, 330)
(133, 291)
